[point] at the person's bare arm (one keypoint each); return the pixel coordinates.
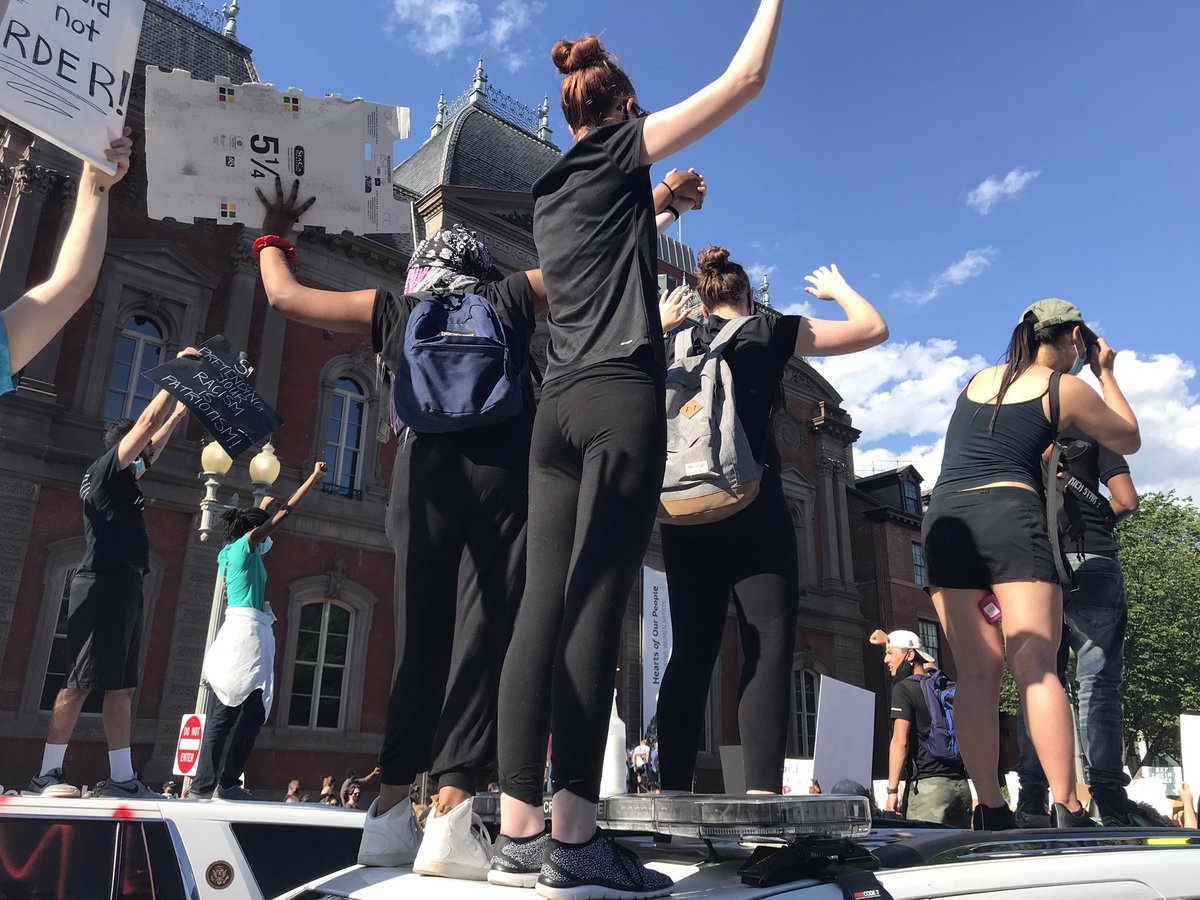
(540, 302)
(263, 531)
(344, 311)
(35, 318)
(897, 755)
(671, 130)
(155, 448)
(1109, 420)
(1189, 806)
(1124, 500)
(153, 418)
(864, 326)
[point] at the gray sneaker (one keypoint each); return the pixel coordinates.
(237, 792)
(600, 869)
(517, 862)
(124, 790)
(52, 784)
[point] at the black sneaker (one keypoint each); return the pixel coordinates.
(600, 869)
(1032, 813)
(987, 818)
(1116, 810)
(517, 862)
(124, 790)
(1064, 818)
(53, 784)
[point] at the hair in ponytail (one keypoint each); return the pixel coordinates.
(722, 282)
(1023, 348)
(594, 83)
(239, 522)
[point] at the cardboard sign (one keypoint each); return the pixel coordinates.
(845, 730)
(209, 145)
(798, 776)
(66, 70)
(656, 640)
(187, 748)
(214, 390)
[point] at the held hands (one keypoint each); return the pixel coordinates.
(672, 307)
(283, 213)
(827, 283)
(689, 189)
(119, 152)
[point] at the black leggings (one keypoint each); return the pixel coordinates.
(596, 469)
(457, 523)
(752, 557)
(228, 741)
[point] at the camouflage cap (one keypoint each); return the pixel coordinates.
(1053, 312)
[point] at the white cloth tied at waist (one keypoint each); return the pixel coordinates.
(242, 658)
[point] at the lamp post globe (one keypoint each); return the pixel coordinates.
(214, 460)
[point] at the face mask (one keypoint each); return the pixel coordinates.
(265, 547)
(1077, 366)
(904, 670)
(139, 466)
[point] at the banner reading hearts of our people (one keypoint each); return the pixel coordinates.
(214, 390)
(656, 640)
(210, 144)
(66, 70)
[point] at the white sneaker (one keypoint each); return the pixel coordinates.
(390, 840)
(455, 845)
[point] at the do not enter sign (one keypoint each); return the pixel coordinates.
(187, 751)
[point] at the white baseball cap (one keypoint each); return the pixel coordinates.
(907, 640)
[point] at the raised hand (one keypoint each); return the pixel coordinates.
(283, 214)
(826, 283)
(119, 152)
(672, 307)
(320, 468)
(689, 187)
(1102, 357)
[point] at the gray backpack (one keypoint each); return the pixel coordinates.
(711, 470)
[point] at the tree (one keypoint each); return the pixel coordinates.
(1160, 555)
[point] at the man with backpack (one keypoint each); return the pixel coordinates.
(923, 748)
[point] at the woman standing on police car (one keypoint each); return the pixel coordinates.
(985, 532)
(749, 557)
(596, 466)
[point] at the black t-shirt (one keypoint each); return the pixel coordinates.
(114, 523)
(757, 357)
(908, 703)
(593, 223)
(1098, 464)
(512, 298)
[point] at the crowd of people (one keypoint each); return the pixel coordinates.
(569, 488)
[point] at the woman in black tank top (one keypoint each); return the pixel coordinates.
(985, 532)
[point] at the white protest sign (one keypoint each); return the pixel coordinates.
(1189, 743)
(797, 776)
(66, 70)
(845, 730)
(210, 144)
(656, 639)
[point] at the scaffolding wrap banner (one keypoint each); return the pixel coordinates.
(66, 70)
(656, 640)
(210, 144)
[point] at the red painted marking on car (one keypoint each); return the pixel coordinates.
(123, 812)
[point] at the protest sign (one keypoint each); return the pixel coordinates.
(66, 70)
(210, 144)
(214, 390)
(798, 776)
(656, 640)
(845, 730)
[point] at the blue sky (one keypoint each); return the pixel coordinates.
(957, 160)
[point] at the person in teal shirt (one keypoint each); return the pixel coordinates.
(240, 665)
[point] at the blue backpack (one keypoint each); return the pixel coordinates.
(938, 690)
(456, 371)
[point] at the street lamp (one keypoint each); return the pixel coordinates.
(216, 463)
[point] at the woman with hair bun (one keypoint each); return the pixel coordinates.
(750, 556)
(240, 664)
(597, 457)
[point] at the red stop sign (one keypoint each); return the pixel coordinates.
(187, 751)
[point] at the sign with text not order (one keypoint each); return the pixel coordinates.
(210, 144)
(187, 748)
(66, 70)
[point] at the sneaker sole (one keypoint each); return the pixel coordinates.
(443, 869)
(59, 791)
(596, 892)
(512, 879)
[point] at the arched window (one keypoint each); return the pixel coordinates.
(140, 346)
(805, 696)
(319, 674)
(344, 438)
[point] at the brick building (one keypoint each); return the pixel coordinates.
(166, 285)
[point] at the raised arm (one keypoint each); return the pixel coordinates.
(35, 318)
(155, 448)
(1109, 420)
(344, 311)
(153, 418)
(263, 531)
(673, 129)
(863, 328)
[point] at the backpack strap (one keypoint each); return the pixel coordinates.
(683, 341)
(1055, 406)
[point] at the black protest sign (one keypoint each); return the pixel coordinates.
(214, 390)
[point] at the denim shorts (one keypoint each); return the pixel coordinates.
(975, 539)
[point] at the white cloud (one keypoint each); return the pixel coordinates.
(970, 266)
(758, 271)
(438, 27)
(902, 395)
(803, 308)
(991, 189)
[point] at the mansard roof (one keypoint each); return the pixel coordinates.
(177, 40)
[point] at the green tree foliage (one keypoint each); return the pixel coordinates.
(1160, 555)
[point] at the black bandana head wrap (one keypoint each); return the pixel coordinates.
(455, 250)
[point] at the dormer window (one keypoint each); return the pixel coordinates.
(912, 497)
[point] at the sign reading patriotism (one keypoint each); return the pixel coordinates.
(209, 145)
(66, 70)
(656, 640)
(187, 749)
(215, 390)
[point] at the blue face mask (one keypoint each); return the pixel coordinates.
(139, 466)
(1077, 366)
(265, 547)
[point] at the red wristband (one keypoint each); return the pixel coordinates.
(274, 240)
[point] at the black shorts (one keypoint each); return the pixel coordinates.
(104, 629)
(975, 539)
